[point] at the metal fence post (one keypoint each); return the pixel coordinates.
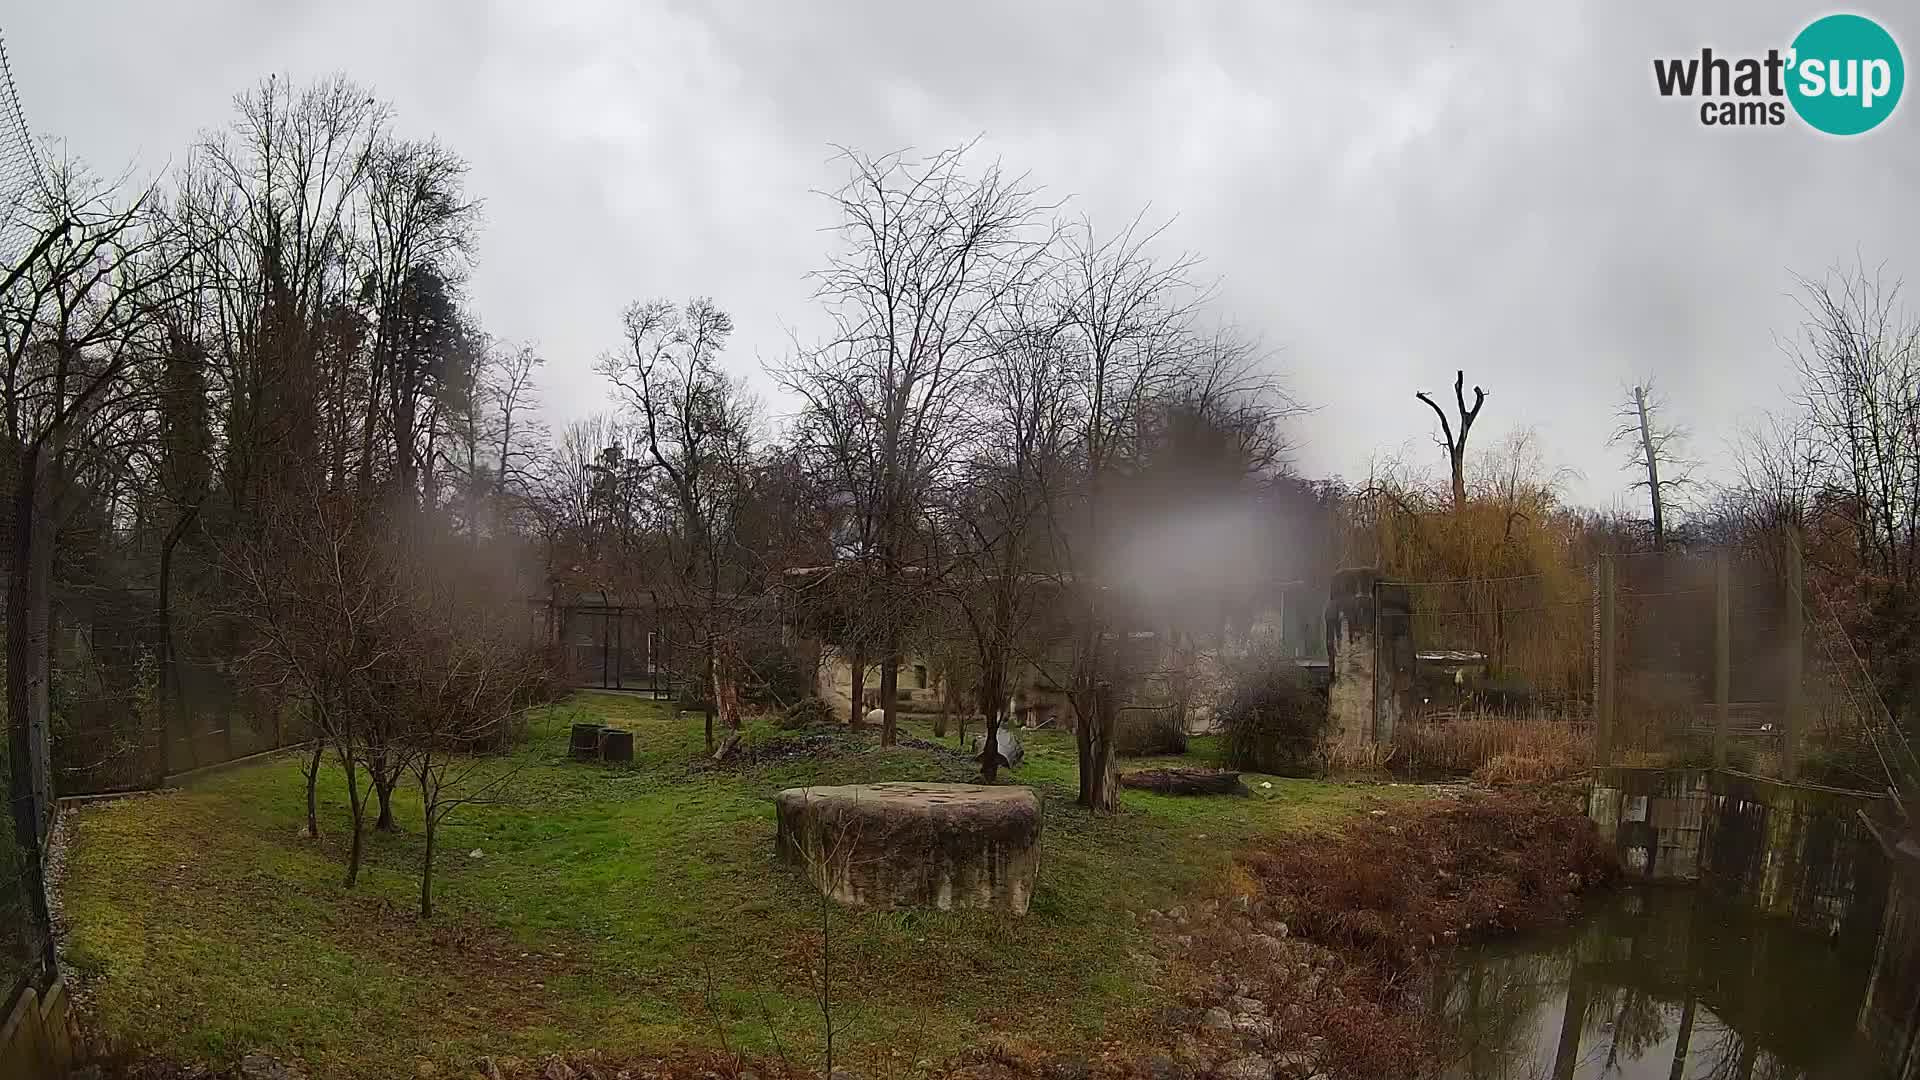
(1796, 656)
(1604, 706)
(1722, 656)
(1373, 710)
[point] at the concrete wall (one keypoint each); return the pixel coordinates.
(1790, 850)
(1890, 1015)
(36, 1042)
(1370, 653)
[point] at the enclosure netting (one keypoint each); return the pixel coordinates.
(25, 930)
(1496, 665)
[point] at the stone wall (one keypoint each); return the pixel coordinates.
(1370, 658)
(36, 1041)
(1791, 850)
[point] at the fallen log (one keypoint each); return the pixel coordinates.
(1184, 781)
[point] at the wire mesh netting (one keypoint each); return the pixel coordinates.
(1699, 658)
(1495, 669)
(25, 930)
(19, 170)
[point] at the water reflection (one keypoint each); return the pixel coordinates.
(1659, 985)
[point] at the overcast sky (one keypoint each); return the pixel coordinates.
(1386, 190)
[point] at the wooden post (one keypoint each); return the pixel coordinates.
(1603, 707)
(1796, 656)
(1722, 657)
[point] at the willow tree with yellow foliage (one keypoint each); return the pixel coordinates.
(1503, 572)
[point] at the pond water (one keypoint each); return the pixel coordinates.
(1660, 984)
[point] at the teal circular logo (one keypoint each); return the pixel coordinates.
(1845, 75)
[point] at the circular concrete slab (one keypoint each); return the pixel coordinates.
(911, 844)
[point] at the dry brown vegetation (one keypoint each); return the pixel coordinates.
(1495, 749)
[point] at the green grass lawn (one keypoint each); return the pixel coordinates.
(630, 909)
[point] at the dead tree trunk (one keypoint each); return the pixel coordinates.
(947, 692)
(313, 783)
(1456, 445)
(857, 674)
(357, 809)
(426, 871)
(993, 703)
(1653, 468)
(889, 694)
(1104, 795)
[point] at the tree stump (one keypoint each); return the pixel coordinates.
(914, 845)
(616, 744)
(584, 743)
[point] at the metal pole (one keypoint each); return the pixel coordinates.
(1796, 655)
(1603, 727)
(1722, 657)
(1373, 711)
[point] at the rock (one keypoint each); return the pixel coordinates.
(896, 845)
(1294, 1065)
(1278, 929)
(558, 1070)
(1178, 913)
(1247, 1005)
(1253, 1027)
(486, 1068)
(265, 1067)
(1008, 744)
(1267, 945)
(476, 853)
(876, 717)
(1249, 1067)
(1217, 1019)
(1192, 1053)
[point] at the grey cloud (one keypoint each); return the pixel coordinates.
(1387, 191)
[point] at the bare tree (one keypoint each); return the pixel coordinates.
(1020, 468)
(1456, 445)
(928, 249)
(695, 430)
(71, 330)
(1858, 358)
(316, 590)
(1127, 319)
(1656, 455)
(418, 231)
(457, 686)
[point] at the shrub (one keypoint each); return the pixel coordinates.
(1274, 718)
(1150, 733)
(805, 713)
